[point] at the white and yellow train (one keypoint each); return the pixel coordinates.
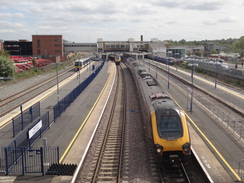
(81, 63)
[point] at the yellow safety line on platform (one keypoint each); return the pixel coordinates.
(209, 142)
(84, 122)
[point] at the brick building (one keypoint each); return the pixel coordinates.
(47, 46)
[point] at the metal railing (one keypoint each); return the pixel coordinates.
(26, 117)
(68, 99)
(31, 160)
(241, 170)
(229, 121)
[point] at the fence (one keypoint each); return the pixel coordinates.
(231, 122)
(218, 68)
(26, 117)
(31, 160)
(68, 99)
(241, 169)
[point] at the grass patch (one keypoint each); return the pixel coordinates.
(28, 74)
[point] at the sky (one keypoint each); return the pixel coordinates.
(83, 21)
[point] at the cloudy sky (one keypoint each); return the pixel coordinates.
(87, 20)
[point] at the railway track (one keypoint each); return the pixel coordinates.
(14, 101)
(185, 171)
(106, 165)
(174, 172)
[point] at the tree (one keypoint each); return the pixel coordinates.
(214, 51)
(240, 43)
(198, 53)
(183, 41)
(4, 53)
(6, 65)
(34, 62)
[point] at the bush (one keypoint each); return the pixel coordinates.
(7, 68)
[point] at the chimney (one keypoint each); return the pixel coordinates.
(141, 37)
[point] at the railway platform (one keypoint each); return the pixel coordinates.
(210, 164)
(79, 148)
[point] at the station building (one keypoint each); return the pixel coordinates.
(79, 47)
(154, 47)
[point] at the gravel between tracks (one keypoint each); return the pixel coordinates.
(10, 88)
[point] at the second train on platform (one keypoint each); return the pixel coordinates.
(81, 63)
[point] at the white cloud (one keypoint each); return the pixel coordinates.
(88, 20)
(11, 15)
(7, 24)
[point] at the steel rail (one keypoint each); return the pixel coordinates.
(23, 93)
(106, 136)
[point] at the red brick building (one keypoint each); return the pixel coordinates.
(47, 46)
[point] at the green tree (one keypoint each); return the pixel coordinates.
(4, 53)
(240, 43)
(198, 53)
(214, 51)
(183, 41)
(6, 65)
(34, 62)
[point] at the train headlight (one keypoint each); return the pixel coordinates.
(186, 147)
(159, 148)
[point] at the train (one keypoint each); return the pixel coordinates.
(165, 122)
(116, 58)
(81, 63)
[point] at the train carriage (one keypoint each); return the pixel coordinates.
(81, 63)
(117, 59)
(164, 120)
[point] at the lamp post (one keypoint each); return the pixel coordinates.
(168, 72)
(169, 52)
(178, 56)
(149, 64)
(192, 72)
(57, 82)
(57, 63)
(215, 82)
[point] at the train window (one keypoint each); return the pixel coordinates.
(77, 63)
(169, 126)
